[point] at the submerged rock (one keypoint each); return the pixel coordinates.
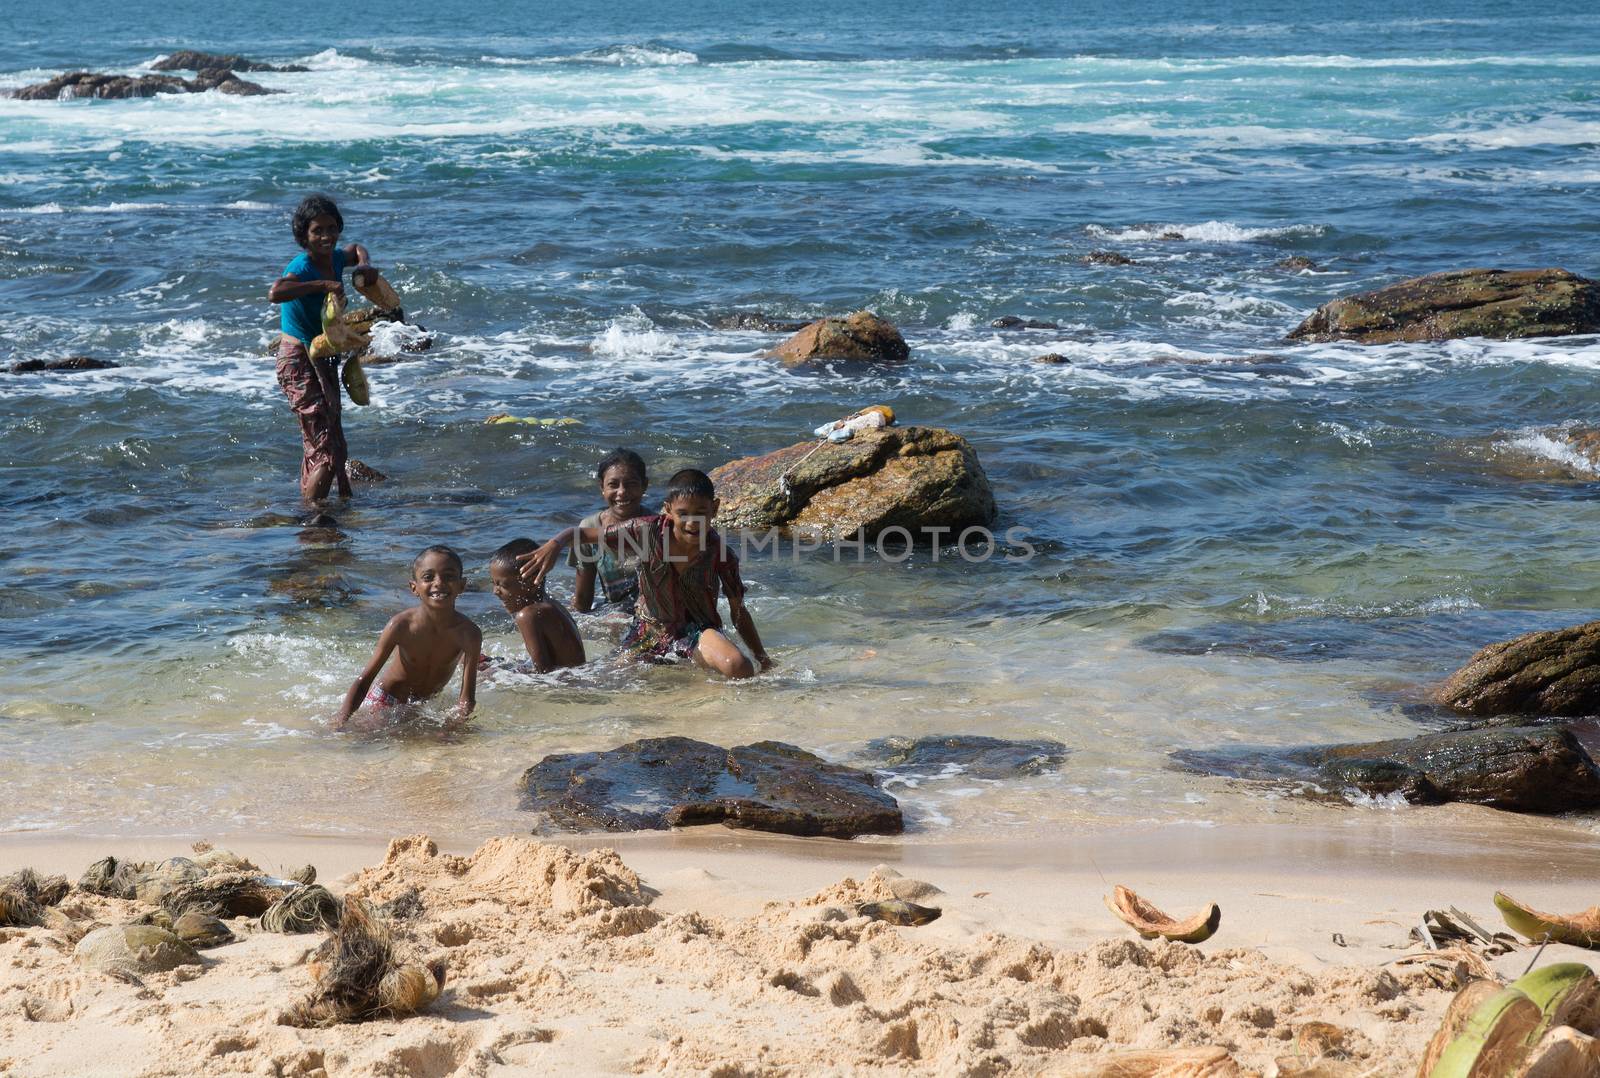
(76, 84)
(1504, 304)
(1011, 321)
(1295, 264)
(361, 472)
(1054, 359)
(190, 60)
(1108, 258)
(1555, 672)
(67, 365)
(908, 477)
(971, 755)
(661, 782)
(1540, 769)
(862, 336)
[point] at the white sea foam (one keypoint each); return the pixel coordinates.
(1263, 604)
(1207, 232)
(634, 336)
(1540, 444)
(1545, 131)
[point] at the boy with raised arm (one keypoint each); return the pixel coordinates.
(427, 642)
(683, 565)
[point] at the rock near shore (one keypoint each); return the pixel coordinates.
(1502, 304)
(907, 477)
(78, 84)
(1540, 769)
(861, 337)
(1555, 672)
(661, 782)
(61, 366)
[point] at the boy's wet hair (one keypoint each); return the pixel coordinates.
(506, 556)
(689, 483)
(311, 207)
(439, 548)
(627, 458)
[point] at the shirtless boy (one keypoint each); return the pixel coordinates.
(548, 631)
(427, 642)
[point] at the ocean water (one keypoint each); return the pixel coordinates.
(1238, 540)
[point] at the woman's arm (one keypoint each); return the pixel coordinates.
(285, 289)
(357, 256)
(358, 692)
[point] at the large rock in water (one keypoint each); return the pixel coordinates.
(1555, 672)
(190, 60)
(77, 84)
(908, 477)
(862, 336)
(1503, 304)
(63, 366)
(661, 782)
(1519, 768)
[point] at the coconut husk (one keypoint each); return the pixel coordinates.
(18, 909)
(1455, 1020)
(1212, 1061)
(898, 911)
(1578, 929)
(406, 906)
(1563, 1053)
(45, 890)
(113, 878)
(357, 978)
(226, 894)
(308, 908)
(1151, 923)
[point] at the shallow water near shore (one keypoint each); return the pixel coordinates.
(1236, 540)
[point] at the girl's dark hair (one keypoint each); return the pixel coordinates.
(627, 458)
(311, 207)
(689, 483)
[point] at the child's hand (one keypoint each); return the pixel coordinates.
(535, 566)
(765, 662)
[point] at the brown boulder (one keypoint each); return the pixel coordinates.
(1555, 672)
(1503, 304)
(908, 477)
(67, 365)
(862, 336)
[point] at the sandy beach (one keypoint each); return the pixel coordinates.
(713, 951)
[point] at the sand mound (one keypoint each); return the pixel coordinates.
(559, 964)
(513, 872)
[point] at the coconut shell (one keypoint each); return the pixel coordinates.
(1151, 923)
(1461, 1007)
(1577, 929)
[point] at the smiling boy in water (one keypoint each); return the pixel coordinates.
(683, 564)
(548, 631)
(427, 642)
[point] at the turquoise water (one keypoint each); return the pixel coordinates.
(1267, 551)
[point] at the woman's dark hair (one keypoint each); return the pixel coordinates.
(627, 458)
(311, 207)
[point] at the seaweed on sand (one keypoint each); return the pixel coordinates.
(308, 908)
(357, 978)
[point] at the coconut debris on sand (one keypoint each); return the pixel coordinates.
(558, 964)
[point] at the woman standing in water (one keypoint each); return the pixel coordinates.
(312, 385)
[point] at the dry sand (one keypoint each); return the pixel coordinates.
(717, 952)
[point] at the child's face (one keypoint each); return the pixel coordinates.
(437, 581)
(510, 588)
(322, 235)
(691, 518)
(623, 490)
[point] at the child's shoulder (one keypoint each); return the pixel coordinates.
(464, 624)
